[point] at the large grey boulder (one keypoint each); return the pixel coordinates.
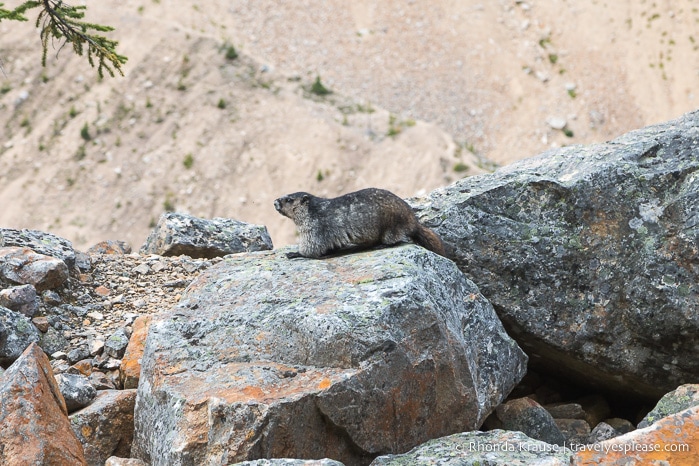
(685, 396)
(34, 426)
(182, 234)
(344, 358)
(590, 255)
(40, 242)
(24, 266)
(492, 448)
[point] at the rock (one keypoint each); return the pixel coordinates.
(102, 291)
(575, 431)
(566, 411)
(677, 400)
(83, 367)
(51, 298)
(113, 377)
(130, 368)
(673, 440)
(59, 355)
(528, 416)
(115, 461)
(116, 344)
(59, 366)
(78, 354)
(24, 266)
(22, 299)
(556, 122)
(75, 310)
(100, 381)
(110, 247)
(83, 261)
(105, 428)
(343, 358)
(622, 426)
(34, 426)
(95, 346)
(601, 432)
(76, 390)
(42, 243)
(41, 323)
(177, 234)
(111, 364)
(496, 447)
(53, 341)
(16, 333)
(142, 269)
(590, 255)
(289, 462)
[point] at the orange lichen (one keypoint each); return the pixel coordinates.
(325, 383)
(672, 440)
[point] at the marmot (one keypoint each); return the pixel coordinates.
(355, 221)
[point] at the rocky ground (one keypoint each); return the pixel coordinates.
(106, 298)
(417, 87)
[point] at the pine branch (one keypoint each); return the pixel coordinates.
(62, 22)
(18, 13)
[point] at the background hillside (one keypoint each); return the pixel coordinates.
(424, 92)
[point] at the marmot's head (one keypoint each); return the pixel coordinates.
(293, 205)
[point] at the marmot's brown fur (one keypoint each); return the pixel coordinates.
(359, 220)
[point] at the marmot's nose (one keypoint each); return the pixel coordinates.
(277, 204)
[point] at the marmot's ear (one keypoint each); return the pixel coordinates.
(305, 198)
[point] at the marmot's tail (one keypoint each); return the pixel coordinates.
(428, 239)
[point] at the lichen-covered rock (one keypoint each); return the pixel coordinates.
(529, 417)
(115, 345)
(105, 427)
(78, 354)
(181, 234)
(495, 447)
(290, 462)
(672, 440)
(344, 358)
(53, 340)
(24, 266)
(76, 390)
(130, 369)
(40, 242)
(22, 299)
(16, 333)
(677, 400)
(34, 426)
(590, 255)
